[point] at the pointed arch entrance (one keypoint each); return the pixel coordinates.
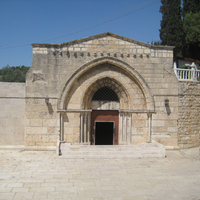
(77, 103)
(105, 96)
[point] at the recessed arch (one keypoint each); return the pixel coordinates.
(101, 82)
(113, 61)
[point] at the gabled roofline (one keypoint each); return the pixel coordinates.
(73, 42)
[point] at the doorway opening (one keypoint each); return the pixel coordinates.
(104, 133)
(104, 126)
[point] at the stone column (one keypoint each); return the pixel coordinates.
(81, 133)
(85, 128)
(149, 135)
(61, 127)
(88, 130)
(125, 128)
(130, 122)
(121, 127)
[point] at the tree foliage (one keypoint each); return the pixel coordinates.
(191, 27)
(190, 6)
(13, 74)
(181, 27)
(171, 31)
(156, 43)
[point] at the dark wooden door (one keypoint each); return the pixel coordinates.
(105, 116)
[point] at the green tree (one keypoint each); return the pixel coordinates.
(13, 74)
(190, 6)
(156, 43)
(171, 31)
(191, 27)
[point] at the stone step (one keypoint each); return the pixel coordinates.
(111, 156)
(143, 150)
(107, 147)
(108, 152)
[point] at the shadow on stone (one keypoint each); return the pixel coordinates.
(50, 109)
(168, 110)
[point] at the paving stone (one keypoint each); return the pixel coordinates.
(24, 195)
(13, 185)
(176, 177)
(20, 189)
(7, 195)
(5, 190)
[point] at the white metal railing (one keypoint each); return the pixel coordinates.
(187, 74)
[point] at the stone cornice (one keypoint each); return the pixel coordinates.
(78, 41)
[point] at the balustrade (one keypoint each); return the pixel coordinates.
(187, 74)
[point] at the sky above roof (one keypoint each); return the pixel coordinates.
(55, 21)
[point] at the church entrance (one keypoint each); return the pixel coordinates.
(104, 127)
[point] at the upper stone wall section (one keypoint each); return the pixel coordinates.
(54, 64)
(12, 115)
(12, 90)
(105, 43)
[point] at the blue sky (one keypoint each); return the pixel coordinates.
(55, 21)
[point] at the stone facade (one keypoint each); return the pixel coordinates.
(64, 77)
(12, 115)
(189, 114)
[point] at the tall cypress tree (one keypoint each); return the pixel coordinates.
(171, 32)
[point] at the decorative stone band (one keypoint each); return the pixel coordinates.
(73, 110)
(89, 110)
(137, 111)
(81, 54)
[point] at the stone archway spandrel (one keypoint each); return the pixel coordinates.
(115, 62)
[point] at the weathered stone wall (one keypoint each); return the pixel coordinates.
(68, 74)
(189, 114)
(54, 65)
(12, 113)
(42, 122)
(164, 123)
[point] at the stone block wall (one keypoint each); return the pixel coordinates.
(140, 127)
(136, 72)
(189, 114)
(164, 121)
(12, 113)
(54, 64)
(72, 128)
(42, 122)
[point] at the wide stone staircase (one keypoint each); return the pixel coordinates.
(143, 150)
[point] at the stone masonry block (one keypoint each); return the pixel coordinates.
(69, 130)
(35, 122)
(36, 130)
(158, 123)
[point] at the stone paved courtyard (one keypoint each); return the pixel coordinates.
(42, 175)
